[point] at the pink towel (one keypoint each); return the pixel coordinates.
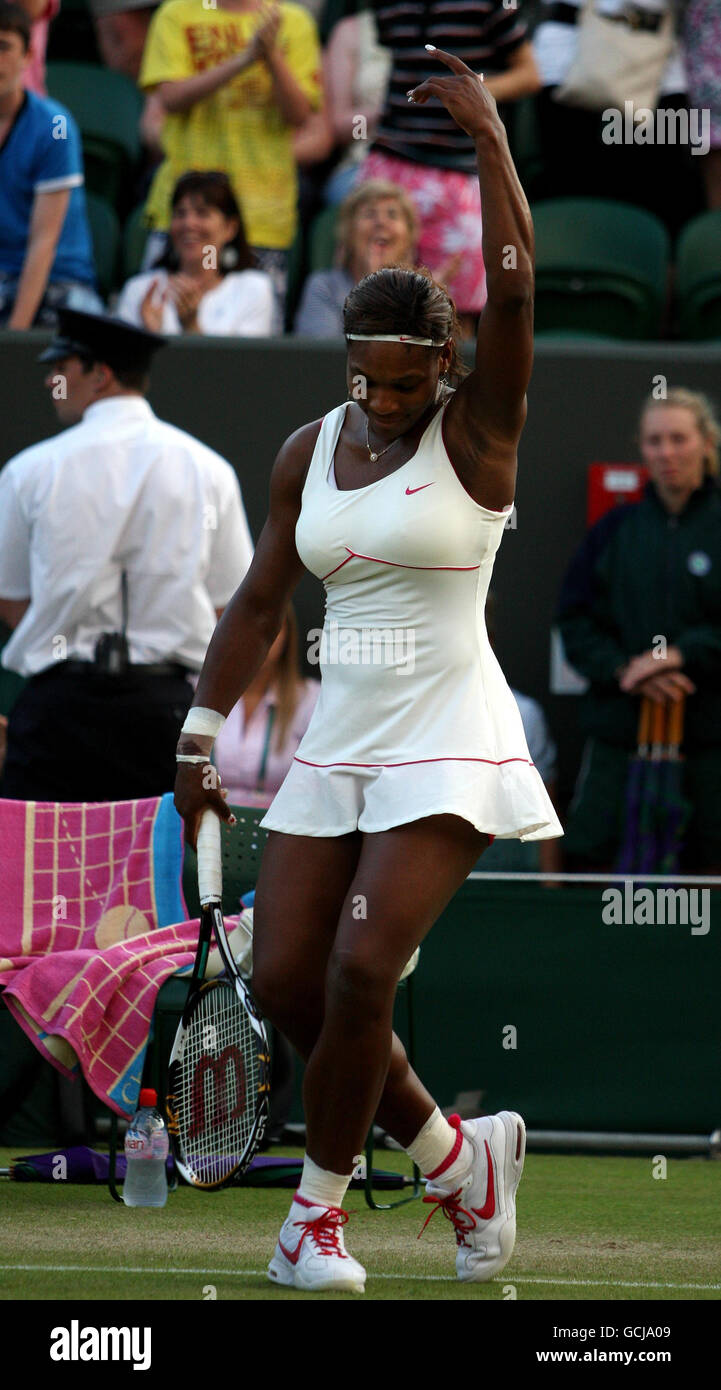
(92, 924)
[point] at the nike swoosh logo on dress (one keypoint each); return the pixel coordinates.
(409, 490)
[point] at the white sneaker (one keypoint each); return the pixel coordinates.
(311, 1252)
(482, 1204)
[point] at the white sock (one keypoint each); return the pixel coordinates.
(321, 1187)
(435, 1144)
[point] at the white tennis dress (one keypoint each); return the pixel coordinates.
(414, 716)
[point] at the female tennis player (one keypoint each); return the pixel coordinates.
(415, 755)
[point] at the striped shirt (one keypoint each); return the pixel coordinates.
(482, 32)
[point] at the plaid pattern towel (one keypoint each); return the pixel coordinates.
(92, 923)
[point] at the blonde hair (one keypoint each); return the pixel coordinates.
(288, 682)
(704, 418)
(368, 193)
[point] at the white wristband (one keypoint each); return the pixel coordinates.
(192, 758)
(203, 721)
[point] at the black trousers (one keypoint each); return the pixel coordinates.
(90, 737)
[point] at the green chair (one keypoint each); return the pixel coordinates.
(105, 236)
(135, 235)
(107, 107)
(321, 249)
(698, 277)
(601, 268)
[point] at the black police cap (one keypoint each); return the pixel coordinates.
(101, 338)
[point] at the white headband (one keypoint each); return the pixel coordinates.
(394, 338)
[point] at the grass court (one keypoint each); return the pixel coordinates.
(589, 1228)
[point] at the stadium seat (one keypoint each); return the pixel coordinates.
(601, 269)
(321, 250)
(698, 283)
(105, 234)
(135, 235)
(107, 107)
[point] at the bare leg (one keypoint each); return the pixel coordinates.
(405, 876)
(303, 884)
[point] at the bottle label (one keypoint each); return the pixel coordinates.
(137, 1145)
(147, 1146)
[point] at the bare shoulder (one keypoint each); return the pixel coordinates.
(276, 566)
(293, 460)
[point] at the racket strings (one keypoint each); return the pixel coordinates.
(218, 1085)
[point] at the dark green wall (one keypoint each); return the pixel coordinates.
(244, 399)
(617, 1027)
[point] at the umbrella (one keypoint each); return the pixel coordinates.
(626, 860)
(675, 806)
(651, 817)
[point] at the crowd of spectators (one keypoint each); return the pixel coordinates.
(247, 89)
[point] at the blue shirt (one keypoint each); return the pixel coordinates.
(42, 153)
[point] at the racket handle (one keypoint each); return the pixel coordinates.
(210, 869)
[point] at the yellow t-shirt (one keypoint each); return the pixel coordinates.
(239, 128)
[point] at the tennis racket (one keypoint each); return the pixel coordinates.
(218, 1076)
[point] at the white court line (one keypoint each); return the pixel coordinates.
(422, 1278)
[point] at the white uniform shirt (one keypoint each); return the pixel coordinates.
(120, 490)
(554, 45)
(242, 305)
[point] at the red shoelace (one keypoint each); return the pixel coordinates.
(462, 1221)
(325, 1231)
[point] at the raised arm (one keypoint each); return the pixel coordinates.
(249, 624)
(486, 416)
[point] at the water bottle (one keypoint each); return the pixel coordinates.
(146, 1151)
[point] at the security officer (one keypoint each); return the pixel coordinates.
(121, 541)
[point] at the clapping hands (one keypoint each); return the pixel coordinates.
(265, 36)
(180, 290)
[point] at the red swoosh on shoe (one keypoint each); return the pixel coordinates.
(409, 490)
(489, 1206)
(293, 1259)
